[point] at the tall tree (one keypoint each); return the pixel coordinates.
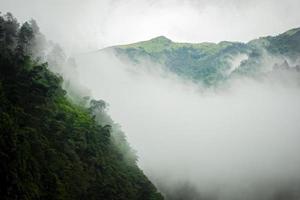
(25, 37)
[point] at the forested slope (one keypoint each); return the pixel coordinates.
(50, 147)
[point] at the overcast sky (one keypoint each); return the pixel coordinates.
(91, 24)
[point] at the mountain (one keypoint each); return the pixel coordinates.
(212, 63)
(50, 146)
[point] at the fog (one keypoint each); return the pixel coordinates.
(237, 142)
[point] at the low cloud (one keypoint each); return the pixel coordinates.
(239, 141)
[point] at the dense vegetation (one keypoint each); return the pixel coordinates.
(211, 63)
(51, 148)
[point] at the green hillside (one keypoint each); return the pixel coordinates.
(212, 63)
(286, 44)
(50, 147)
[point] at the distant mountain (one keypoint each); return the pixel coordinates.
(211, 63)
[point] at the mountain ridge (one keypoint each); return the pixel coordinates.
(212, 63)
(168, 40)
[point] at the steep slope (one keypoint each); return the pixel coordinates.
(212, 63)
(51, 148)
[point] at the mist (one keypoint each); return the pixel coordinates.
(240, 141)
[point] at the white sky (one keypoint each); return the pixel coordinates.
(90, 24)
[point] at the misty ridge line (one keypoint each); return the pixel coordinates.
(165, 39)
(211, 63)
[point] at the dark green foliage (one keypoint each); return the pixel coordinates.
(51, 148)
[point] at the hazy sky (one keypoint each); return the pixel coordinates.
(98, 23)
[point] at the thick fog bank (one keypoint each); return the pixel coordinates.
(240, 141)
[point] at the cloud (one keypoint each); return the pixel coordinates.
(238, 140)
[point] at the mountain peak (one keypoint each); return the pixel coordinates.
(161, 39)
(156, 44)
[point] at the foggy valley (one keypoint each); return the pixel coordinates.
(232, 140)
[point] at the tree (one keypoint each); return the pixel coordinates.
(97, 106)
(10, 26)
(25, 37)
(38, 43)
(56, 58)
